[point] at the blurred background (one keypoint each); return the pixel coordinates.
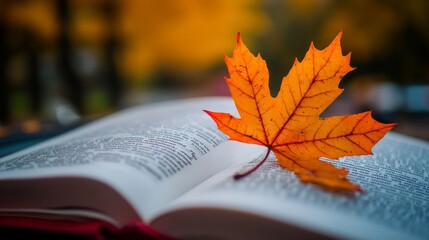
(64, 62)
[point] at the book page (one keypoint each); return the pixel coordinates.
(149, 154)
(394, 203)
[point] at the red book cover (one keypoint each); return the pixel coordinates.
(13, 228)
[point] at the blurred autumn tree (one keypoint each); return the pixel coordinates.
(182, 37)
(90, 52)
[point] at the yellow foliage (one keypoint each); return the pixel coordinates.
(86, 26)
(37, 16)
(183, 35)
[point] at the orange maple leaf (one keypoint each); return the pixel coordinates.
(289, 124)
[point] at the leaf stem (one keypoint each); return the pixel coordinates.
(240, 175)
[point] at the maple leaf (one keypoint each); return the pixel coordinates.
(289, 124)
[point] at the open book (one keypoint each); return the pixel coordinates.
(167, 165)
